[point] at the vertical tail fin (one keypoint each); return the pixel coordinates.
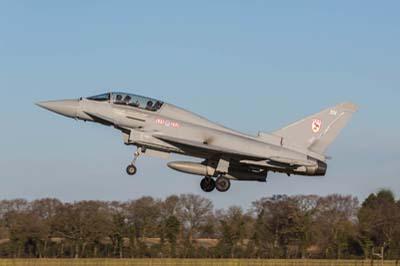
(318, 131)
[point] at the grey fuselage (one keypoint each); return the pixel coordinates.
(174, 130)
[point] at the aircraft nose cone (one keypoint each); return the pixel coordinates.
(68, 108)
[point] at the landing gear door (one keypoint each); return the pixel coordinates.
(135, 136)
(151, 146)
(141, 137)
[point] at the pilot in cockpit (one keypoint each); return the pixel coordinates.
(157, 105)
(149, 105)
(127, 99)
(118, 99)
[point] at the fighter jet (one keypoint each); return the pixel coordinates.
(157, 128)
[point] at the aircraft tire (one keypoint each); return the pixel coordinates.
(223, 184)
(131, 169)
(207, 184)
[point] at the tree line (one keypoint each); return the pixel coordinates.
(188, 226)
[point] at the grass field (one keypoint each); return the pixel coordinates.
(199, 262)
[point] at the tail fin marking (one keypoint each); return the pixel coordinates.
(318, 131)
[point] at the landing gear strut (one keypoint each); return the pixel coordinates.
(131, 169)
(207, 184)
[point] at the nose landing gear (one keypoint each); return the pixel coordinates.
(132, 169)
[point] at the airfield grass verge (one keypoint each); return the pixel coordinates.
(189, 262)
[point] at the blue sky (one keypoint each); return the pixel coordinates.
(250, 65)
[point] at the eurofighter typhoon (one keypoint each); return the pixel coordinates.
(159, 129)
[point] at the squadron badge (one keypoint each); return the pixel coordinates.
(316, 125)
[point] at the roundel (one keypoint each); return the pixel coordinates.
(316, 125)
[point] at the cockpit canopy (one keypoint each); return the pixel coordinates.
(121, 98)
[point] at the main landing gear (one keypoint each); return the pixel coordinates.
(222, 184)
(207, 184)
(132, 169)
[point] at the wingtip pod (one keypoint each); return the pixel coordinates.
(352, 107)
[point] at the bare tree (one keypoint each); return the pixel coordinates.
(379, 227)
(335, 224)
(186, 226)
(46, 210)
(193, 210)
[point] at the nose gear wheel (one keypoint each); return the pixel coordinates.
(132, 169)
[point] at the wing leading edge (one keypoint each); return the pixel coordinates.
(214, 149)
